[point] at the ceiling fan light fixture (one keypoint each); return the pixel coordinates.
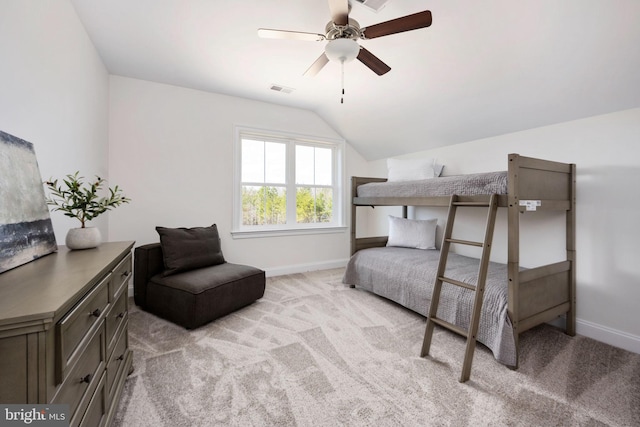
(342, 50)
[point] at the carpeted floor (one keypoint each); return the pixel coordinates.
(313, 352)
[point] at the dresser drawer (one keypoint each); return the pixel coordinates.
(96, 412)
(120, 278)
(117, 362)
(115, 317)
(84, 377)
(76, 325)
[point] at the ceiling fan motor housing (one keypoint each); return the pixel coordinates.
(350, 31)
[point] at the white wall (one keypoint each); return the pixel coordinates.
(54, 92)
(171, 150)
(606, 151)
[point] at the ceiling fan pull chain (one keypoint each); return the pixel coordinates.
(342, 68)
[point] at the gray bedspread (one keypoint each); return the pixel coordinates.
(407, 276)
(462, 185)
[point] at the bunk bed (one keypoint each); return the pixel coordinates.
(516, 298)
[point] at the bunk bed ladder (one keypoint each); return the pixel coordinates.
(447, 240)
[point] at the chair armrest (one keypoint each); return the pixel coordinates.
(148, 262)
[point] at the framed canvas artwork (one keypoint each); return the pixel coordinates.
(26, 232)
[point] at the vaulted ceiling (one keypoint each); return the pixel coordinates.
(483, 68)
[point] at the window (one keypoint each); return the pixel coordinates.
(286, 184)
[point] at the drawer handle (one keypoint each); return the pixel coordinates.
(86, 379)
(121, 357)
(121, 315)
(95, 313)
(126, 274)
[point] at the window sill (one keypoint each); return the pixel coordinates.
(251, 234)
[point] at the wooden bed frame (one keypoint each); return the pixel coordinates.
(535, 295)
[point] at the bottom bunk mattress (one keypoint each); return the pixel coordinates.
(407, 276)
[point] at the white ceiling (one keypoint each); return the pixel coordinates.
(483, 68)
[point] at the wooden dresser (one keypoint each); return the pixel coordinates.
(63, 331)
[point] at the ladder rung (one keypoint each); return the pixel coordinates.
(479, 204)
(457, 329)
(457, 283)
(465, 242)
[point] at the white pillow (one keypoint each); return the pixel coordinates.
(410, 169)
(412, 233)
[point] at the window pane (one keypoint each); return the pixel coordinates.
(262, 205)
(324, 205)
(304, 165)
(313, 165)
(323, 166)
(314, 205)
(252, 161)
(275, 162)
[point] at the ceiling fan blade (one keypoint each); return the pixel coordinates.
(339, 11)
(398, 25)
(316, 66)
(372, 61)
(267, 33)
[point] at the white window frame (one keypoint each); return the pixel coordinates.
(338, 225)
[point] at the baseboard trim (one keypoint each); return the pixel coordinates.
(604, 334)
(302, 268)
(292, 269)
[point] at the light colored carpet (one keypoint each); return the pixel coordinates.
(313, 352)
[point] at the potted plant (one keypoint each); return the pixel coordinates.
(81, 201)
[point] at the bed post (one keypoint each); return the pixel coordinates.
(513, 253)
(354, 186)
(571, 254)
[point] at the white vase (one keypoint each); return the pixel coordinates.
(83, 238)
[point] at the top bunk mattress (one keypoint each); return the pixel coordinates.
(462, 185)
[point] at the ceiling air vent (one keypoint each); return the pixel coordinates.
(374, 5)
(283, 89)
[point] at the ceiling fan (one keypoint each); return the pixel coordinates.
(343, 32)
